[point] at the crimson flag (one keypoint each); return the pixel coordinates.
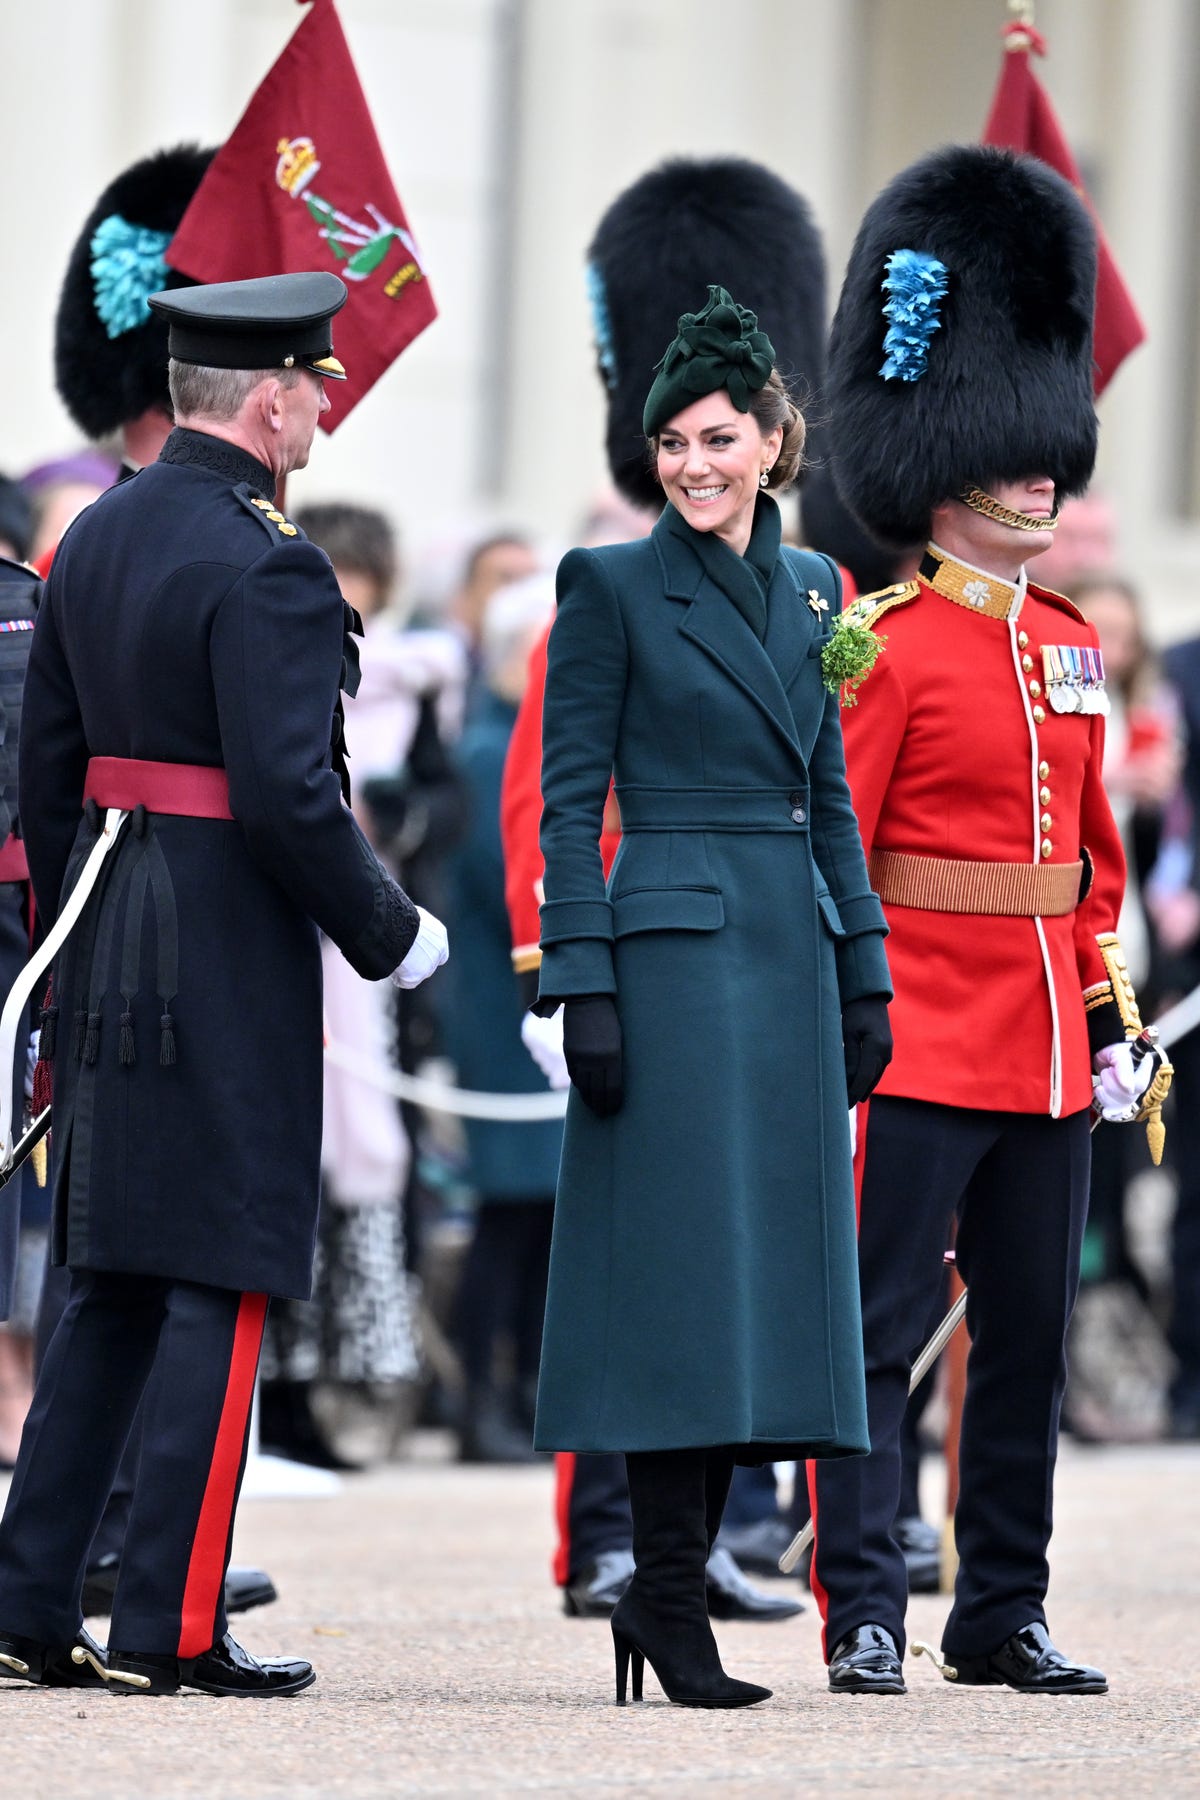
(1022, 118)
(302, 184)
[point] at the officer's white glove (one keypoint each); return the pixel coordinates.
(31, 1058)
(428, 952)
(543, 1038)
(1120, 1079)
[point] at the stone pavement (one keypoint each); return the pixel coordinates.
(445, 1668)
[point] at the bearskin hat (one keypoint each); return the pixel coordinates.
(961, 350)
(110, 352)
(656, 251)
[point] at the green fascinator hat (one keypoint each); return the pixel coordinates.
(718, 347)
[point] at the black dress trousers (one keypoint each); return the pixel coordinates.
(1018, 1183)
(189, 1354)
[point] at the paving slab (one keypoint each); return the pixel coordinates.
(422, 1593)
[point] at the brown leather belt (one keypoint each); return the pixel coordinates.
(944, 884)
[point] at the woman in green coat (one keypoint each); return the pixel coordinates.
(723, 997)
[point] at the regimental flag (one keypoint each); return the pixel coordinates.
(1022, 118)
(302, 184)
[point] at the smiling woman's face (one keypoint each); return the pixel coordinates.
(710, 457)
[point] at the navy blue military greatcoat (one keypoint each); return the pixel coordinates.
(187, 622)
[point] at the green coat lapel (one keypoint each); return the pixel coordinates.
(713, 622)
(794, 631)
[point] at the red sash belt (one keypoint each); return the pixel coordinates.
(14, 865)
(189, 790)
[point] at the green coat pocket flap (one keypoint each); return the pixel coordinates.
(668, 909)
(830, 914)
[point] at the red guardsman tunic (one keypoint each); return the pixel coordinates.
(520, 816)
(960, 760)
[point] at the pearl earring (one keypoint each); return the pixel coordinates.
(762, 480)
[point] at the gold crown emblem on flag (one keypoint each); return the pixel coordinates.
(297, 164)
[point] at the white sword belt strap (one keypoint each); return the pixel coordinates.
(27, 981)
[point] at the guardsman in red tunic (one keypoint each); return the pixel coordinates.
(961, 387)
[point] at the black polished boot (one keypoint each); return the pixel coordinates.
(662, 1618)
(226, 1669)
(866, 1661)
(75, 1665)
(1028, 1662)
(244, 1588)
(594, 1592)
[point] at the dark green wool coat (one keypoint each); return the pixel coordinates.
(704, 1278)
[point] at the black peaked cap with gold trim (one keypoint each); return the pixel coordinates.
(1005, 382)
(271, 322)
(674, 232)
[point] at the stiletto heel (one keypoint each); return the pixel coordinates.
(621, 1648)
(625, 1649)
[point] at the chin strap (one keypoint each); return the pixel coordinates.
(980, 502)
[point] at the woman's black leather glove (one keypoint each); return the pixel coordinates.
(867, 1042)
(592, 1047)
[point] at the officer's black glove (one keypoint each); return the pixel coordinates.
(867, 1042)
(592, 1047)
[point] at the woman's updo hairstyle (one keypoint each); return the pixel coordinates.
(772, 405)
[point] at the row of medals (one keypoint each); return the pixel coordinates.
(1074, 677)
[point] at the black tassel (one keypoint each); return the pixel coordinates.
(91, 1042)
(126, 1051)
(166, 1048)
(81, 1020)
(49, 1035)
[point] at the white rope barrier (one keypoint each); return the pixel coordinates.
(1179, 1019)
(439, 1096)
(465, 1103)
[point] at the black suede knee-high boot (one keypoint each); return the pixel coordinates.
(663, 1617)
(718, 1475)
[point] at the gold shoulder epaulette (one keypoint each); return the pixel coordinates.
(265, 510)
(868, 609)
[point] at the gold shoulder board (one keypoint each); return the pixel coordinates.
(868, 609)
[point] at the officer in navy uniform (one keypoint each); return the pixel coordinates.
(110, 369)
(184, 695)
(962, 406)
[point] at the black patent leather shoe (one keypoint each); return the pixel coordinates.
(1028, 1662)
(75, 1665)
(866, 1661)
(225, 1669)
(244, 1588)
(757, 1547)
(731, 1596)
(599, 1585)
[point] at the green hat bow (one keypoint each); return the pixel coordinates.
(718, 347)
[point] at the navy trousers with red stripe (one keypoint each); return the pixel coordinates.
(1018, 1183)
(591, 1508)
(192, 1353)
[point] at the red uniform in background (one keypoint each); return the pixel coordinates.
(521, 815)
